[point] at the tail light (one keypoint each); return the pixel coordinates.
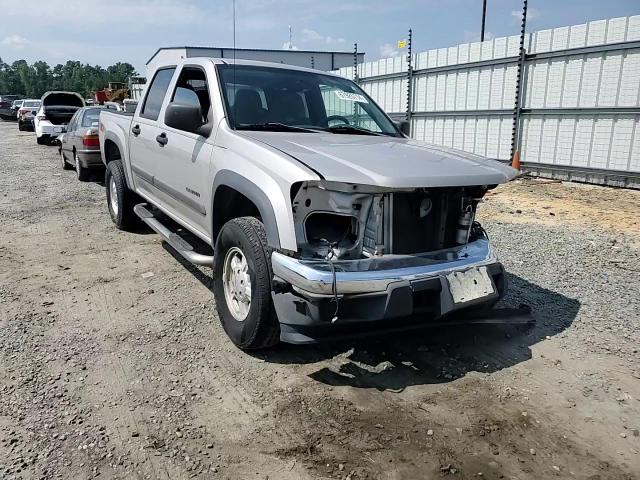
(42, 117)
(22, 111)
(90, 138)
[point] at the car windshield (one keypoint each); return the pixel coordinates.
(17, 103)
(269, 98)
(91, 116)
(33, 104)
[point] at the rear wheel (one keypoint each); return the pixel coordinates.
(242, 284)
(42, 140)
(120, 200)
(81, 172)
(20, 126)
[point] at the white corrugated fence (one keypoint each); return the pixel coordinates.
(580, 104)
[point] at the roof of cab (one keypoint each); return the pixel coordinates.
(255, 63)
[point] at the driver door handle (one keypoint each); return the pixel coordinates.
(135, 130)
(162, 139)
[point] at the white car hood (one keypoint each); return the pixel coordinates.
(385, 161)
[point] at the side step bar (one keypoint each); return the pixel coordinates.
(176, 241)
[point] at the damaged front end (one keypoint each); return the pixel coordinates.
(347, 222)
(375, 254)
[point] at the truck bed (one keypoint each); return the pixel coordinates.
(116, 125)
(117, 112)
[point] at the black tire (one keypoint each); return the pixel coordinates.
(42, 140)
(82, 172)
(20, 126)
(260, 328)
(65, 164)
(124, 217)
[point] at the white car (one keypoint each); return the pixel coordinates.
(54, 114)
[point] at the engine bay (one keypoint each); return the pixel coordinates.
(348, 222)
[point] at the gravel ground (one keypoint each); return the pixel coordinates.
(113, 362)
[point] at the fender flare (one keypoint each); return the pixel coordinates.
(110, 136)
(253, 193)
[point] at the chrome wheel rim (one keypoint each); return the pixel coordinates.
(113, 196)
(237, 283)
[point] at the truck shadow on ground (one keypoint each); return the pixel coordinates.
(438, 354)
(430, 355)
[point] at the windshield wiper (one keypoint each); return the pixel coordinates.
(273, 127)
(351, 129)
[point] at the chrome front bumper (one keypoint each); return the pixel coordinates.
(315, 278)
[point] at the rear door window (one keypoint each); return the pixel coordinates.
(155, 95)
(72, 123)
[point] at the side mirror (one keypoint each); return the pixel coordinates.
(185, 117)
(404, 126)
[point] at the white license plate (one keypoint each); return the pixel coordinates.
(57, 129)
(470, 285)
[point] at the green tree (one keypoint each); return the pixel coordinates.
(33, 80)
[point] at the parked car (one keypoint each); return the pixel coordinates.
(324, 218)
(79, 146)
(27, 113)
(6, 104)
(54, 114)
(15, 106)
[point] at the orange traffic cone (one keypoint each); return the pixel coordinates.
(515, 161)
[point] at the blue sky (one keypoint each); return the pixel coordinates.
(104, 32)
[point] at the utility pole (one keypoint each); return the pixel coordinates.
(484, 18)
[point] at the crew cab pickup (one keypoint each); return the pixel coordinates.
(324, 219)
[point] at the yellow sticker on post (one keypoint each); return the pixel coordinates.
(402, 43)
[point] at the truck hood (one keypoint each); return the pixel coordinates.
(385, 161)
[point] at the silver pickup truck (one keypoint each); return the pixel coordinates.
(324, 218)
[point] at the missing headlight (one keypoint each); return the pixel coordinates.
(330, 232)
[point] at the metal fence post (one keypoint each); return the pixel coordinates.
(355, 62)
(409, 82)
(515, 132)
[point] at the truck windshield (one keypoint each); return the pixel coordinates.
(268, 98)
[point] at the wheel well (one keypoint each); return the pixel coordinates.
(228, 204)
(111, 151)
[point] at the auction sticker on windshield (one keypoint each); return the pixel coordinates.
(351, 97)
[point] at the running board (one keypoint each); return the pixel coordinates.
(179, 244)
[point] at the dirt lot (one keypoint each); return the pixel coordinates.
(106, 370)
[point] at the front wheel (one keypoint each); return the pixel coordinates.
(242, 284)
(42, 140)
(120, 200)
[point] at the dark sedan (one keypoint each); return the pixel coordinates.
(79, 146)
(6, 107)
